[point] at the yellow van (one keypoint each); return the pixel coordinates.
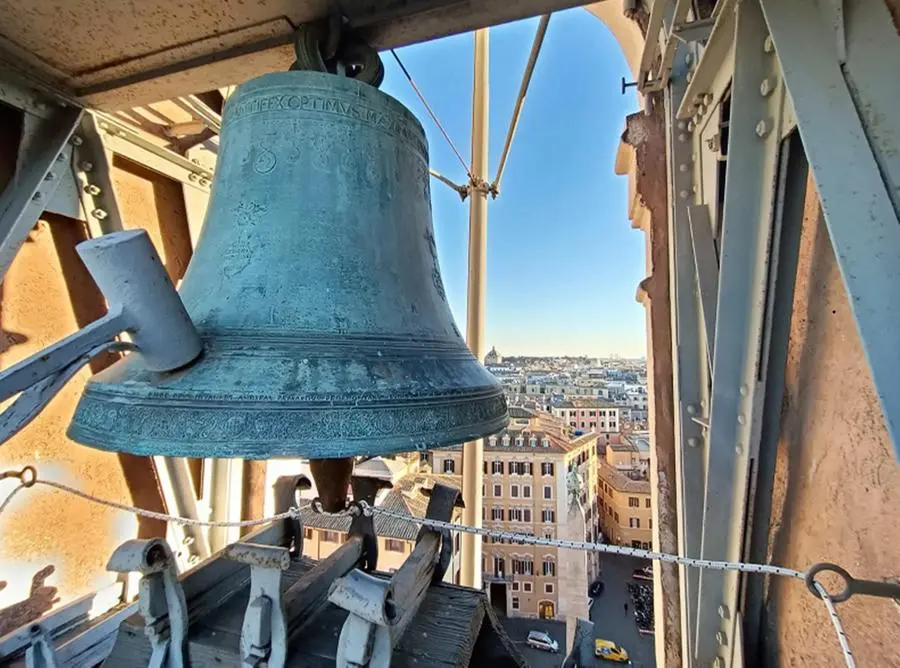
(610, 651)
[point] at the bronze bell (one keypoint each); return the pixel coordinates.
(316, 291)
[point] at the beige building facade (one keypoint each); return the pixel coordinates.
(527, 477)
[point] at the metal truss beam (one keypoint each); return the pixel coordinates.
(859, 214)
(737, 391)
(92, 167)
(714, 56)
(706, 265)
(688, 369)
(34, 183)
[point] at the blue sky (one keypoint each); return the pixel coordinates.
(563, 260)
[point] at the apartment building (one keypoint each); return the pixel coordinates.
(531, 470)
(626, 515)
(596, 415)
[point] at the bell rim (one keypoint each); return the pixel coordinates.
(371, 430)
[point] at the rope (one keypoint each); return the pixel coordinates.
(838, 627)
(525, 539)
(28, 478)
(431, 113)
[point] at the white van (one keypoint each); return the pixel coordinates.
(541, 640)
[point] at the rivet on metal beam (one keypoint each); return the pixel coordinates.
(689, 76)
(683, 194)
(49, 176)
(707, 98)
(768, 45)
(690, 126)
(719, 662)
(693, 442)
(738, 449)
(684, 167)
(723, 611)
(76, 140)
(85, 165)
(741, 419)
(91, 189)
(743, 390)
(36, 197)
(766, 87)
(691, 409)
(99, 214)
(721, 638)
(192, 177)
(682, 137)
(762, 129)
(688, 58)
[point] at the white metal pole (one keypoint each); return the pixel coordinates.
(473, 452)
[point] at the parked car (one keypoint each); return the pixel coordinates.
(610, 651)
(595, 589)
(541, 640)
(645, 573)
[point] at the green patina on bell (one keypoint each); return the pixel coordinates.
(316, 290)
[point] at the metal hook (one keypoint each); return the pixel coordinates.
(851, 585)
(27, 476)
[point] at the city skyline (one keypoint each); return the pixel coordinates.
(563, 262)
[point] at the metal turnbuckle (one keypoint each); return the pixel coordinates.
(851, 585)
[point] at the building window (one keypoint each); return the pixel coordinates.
(634, 502)
(449, 466)
(647, 502)
(497, 514)
(514, 491)
(515, 585)
(521, 468)
(532, 441)
(392, 545)
(634, 522)
(307, 533)
(498, 490)
(526, 491)
(515, 514)
(522, 566)
(505, 441)
(519, 441)
(484, 467)
(499, 566)
(582, 424)
(548, 515)
(546, 468)
(526, 587)
(548, 535)
(636, 544)
(515, 602)
(548, 587)
(497, 467)
(645, 546)
(549, 567)
(331, 537)
(592, 425)
(616, 515)
(651, 524)
(526, 515)
(492, 441)
(548, 492)
(545, 442)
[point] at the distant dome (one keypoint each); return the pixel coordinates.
(493, 357)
